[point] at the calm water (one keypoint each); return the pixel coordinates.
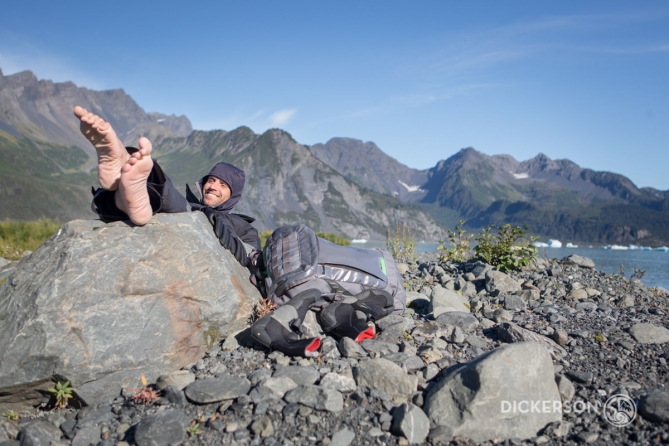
(655, 263)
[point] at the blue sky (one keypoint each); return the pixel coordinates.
(587, 81)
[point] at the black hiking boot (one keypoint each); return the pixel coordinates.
(282, 329)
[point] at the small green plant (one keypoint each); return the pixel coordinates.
(638, 273)
(600, 338)
(146, 394)
(211, 336)
(401, 243)
(194, 429)
(62, 392)
(504, 248)
(10, 415)
(621, 269)
(460, 250)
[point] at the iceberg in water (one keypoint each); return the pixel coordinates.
(359, 240)
(570, 245)
(540, 244)
(554, 243)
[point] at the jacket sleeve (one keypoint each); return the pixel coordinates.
(250, 236)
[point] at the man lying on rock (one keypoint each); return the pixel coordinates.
(134, 187)
(350, 287)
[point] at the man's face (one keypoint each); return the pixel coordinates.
(216, 191)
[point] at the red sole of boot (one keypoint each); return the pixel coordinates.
(367, 334)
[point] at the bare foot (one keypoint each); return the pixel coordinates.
(112, 155)
(132, 196)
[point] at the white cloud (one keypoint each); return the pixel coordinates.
(282, 117)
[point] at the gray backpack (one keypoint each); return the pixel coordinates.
(296, 260)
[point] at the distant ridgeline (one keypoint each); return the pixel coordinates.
(345, 186)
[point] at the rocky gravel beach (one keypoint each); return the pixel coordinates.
(481, 356)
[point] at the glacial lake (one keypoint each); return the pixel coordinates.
(655, 263)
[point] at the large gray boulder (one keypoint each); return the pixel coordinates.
(496, 282)
(98, 304)
(509, 392)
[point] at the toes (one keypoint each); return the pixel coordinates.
(145, 146)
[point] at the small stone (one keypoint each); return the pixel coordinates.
(565, 387)
(405, 360)
(283, 360)
(179, 378)
(500, 315)
(212, 390)
(465, 320)
(411, 422)
(575, 259)
(373, 345)
(649, 334)
(655, 407)
(514, 303)
(578, 294)
(351, 349)
(430, 371)
(175, 395)
(587, 436)
(263, 427)
(316, 397)
(383, 375)
(39, 433)
(497, 282)
(258, 375)
(300, 374)
(580, 377)
(440, 434)
(586, 306)
(457, 336)
(162, 428)
(86, 436)
(343, 437)
(560, 336)
(340, 383)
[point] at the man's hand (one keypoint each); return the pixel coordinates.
(226, 236)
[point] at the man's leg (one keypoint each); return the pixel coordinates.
(112, 155)
(134, 185)
(132, 196)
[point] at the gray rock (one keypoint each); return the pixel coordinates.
(509, 332)
(406, 323)
(527, 295)
(87, 436)
(649, 334)
(586, 306)
(565, 387)
(258, 375)
(463, 319)
(577, 260)
(212, 390)
(580, 377)
(340, 383)
(443, 298)
(275, 387)
(127, 290)
(40, 433)
(263, 427)
(560, 336)
(402, 359)
(578, 294)
(476, 399)
(383, 348)
(351, 349)
(299, 374)
(383, 375)
(342, 437)
(4, 262)
(162, 428)
(317, 398)
(441, 434)
(179, 379)
(411, 422)
(497, 282)
(655, 407)
(94, 417)
(8, 429)
(175, 396)
(500, 315)
(514, 303)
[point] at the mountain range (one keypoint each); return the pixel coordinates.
(345, 185)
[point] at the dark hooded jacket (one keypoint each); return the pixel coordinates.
(235, 178)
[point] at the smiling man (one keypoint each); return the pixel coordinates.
(134, 187)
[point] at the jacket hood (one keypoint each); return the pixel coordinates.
(234, 177)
